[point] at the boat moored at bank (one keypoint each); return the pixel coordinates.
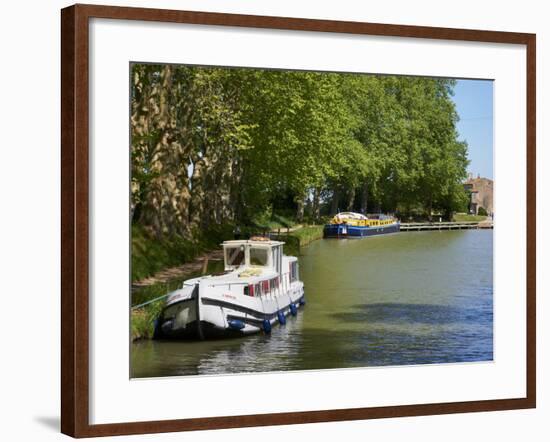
(357, 225)
(259, 288)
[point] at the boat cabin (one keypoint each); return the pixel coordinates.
(256, 252)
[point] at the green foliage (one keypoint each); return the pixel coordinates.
(142, 320)
(300, 238)
(262, 219)
(282, 222)
(268, 221)
(481, 211)
(263, 149)
(151, 254)
(463, 217)
(308, 234)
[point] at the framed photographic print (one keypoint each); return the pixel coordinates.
(273, 220)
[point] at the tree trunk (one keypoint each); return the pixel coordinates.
(237, 194)
(334, 203)
(316, 206)
(197, 194)
(300, 203)
(364, 198)
(351, 199)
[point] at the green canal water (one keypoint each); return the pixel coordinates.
(407, 298)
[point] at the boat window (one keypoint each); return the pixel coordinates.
(276, 256)
(234, 256)
(258, 256)
(293, 271)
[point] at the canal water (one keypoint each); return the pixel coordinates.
(401, 299)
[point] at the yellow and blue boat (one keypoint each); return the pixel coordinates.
(357, 225)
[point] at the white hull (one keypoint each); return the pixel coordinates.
(205, 309)
(260, 288)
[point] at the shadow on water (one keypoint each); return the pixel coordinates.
(411, 314)
(295, 347)
(323, 349)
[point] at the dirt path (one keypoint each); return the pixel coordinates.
(192, 267)
(286, 230)
(179, 271)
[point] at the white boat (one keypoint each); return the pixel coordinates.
(259, 288)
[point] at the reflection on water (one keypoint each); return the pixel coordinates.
(408, 298)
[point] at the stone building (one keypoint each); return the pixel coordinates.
(481, 194)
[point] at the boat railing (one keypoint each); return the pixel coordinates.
(365, 223)
(442, 223)
(218, 284)
(285, 281)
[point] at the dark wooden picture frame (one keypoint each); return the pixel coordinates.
(75, 219)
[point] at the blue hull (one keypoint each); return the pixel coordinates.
(347, 231)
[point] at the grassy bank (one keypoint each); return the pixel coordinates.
(151, 254)
(308, 234)
(300, 238)
(143, 320)
(268, 222)
(462, 217)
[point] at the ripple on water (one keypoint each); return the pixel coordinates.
(409, 298)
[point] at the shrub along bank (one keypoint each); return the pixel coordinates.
(151, 254)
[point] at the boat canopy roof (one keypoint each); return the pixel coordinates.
(254, 241)
(350, 215)
(257, 251)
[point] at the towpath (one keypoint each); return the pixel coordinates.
(180, 271)
(287, 229)
(192, 267)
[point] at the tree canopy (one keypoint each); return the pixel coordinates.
(213, 146)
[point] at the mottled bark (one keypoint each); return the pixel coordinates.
(351, 199)
(364, 198)
(334, 203)
(159, 152)
(316, 204)
(196, 203)
(300, 206)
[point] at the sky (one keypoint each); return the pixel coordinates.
(474, 104)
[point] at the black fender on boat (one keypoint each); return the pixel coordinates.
(196, 296)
